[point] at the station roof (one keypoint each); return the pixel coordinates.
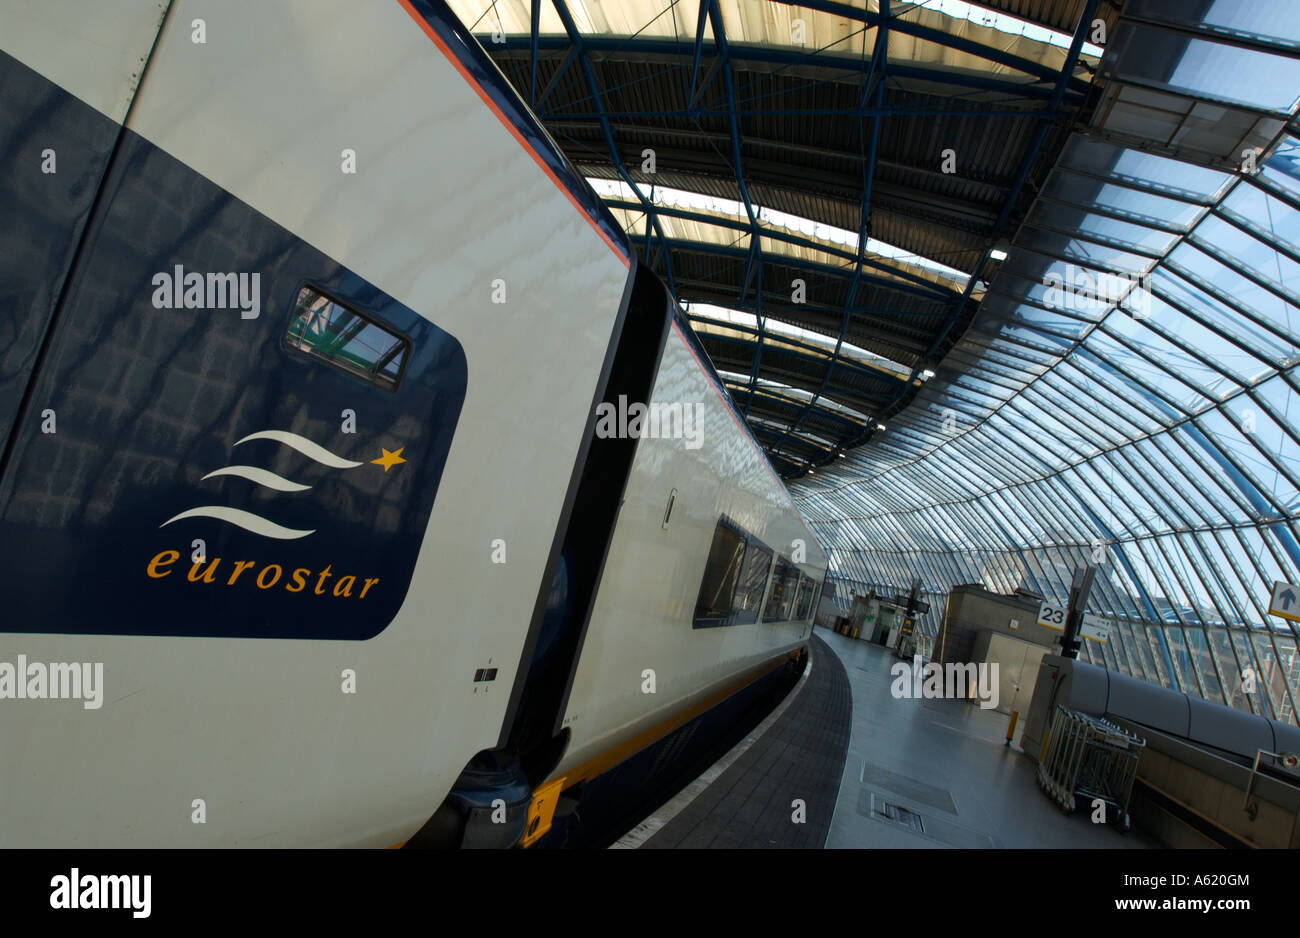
(1078, 348)
(1126, 395)
(820, 185)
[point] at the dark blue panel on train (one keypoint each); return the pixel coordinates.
(42, 128)
(148, 401)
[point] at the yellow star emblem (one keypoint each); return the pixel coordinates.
(389, 460)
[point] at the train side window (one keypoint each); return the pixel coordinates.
(329, 331)
(780, 601)
(721, 573)
(753, 581)
(806, 587)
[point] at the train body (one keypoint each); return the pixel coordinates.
(324, 515)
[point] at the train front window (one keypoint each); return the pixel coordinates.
(721, 573)
(343, 338)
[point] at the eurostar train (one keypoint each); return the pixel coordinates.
(325, 519)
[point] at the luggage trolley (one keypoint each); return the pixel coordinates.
(1090, 758)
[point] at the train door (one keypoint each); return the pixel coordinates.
(243, 438)
(69, 72)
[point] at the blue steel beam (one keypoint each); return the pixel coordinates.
(764, 395)
(720, 37)
(844, 273)
(695, 58)
(875, 83)
(794, 310)
(571, 56)
(778, 460)
(809, 355)
(750, 265)
(665, 251)
(930, 34)
(756, 360)
(589, 74)
(534, 27)
(756, 356)
(857, 113)
(788, 57)
(1004, 217)
(715, 21)
(912, 283)
(766, 432)
(904, 343)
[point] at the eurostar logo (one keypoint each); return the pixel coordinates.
(261, 575)
(265, 527)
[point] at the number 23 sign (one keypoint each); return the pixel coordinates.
(1052, 616)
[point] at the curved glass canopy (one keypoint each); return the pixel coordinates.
(1126, 395)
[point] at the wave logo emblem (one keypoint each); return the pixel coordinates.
(264, 527)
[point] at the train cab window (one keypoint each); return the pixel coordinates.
(780, 601)
(327, 330)
(753, 581)
(721, 573)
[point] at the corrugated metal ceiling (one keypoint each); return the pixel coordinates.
(818, 126)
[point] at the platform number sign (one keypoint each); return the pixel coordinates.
(1052, 616)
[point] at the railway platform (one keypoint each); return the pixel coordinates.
(843, 763)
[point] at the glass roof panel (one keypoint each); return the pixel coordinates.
(1266, 214)
(1145, 170)
(1214, 70)
(1262, 483)
(1133, 368)
(1135, 204)
(1251, 254)
(1268, 348)
(1165, 356)
(1282, 168)
(1240, 290)
(1259, 18)
(1068, 218)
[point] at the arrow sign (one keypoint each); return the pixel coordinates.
(1285, 601)
(1095, 628)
